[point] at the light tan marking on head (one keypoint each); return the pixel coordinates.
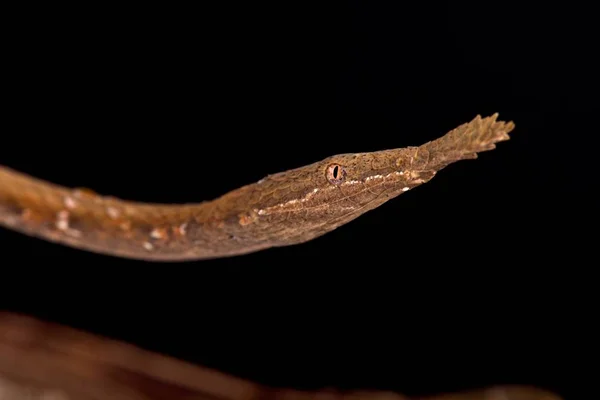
(246, 219)
(159, 233)
(180, 230)
(368, 178)
(307, 197)
(62, 224)
(113, 212)
(414, 175)
(70, 202)
(62, 220)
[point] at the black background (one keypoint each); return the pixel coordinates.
(483, 276)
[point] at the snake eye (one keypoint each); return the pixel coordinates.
(336, 174)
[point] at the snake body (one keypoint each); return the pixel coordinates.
(283, 209)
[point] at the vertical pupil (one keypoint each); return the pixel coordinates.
(335, 172)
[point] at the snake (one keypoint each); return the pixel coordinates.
(282, 209)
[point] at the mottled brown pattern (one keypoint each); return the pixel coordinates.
(283, 209)
(45, 361)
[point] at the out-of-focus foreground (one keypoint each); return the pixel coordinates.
(40, 360)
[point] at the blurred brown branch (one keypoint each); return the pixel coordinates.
(41, 360)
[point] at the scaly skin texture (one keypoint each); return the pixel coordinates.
(283, 209)
(45, 361)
